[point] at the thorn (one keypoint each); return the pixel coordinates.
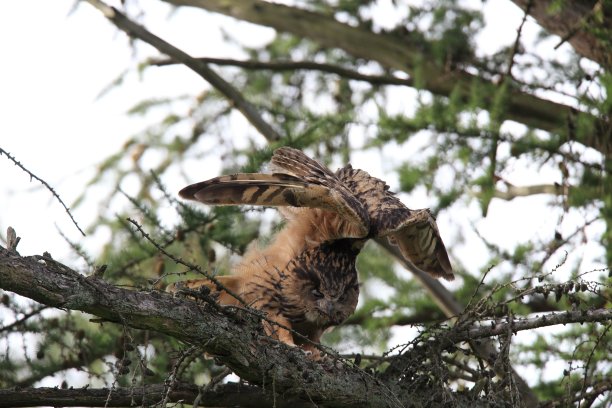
(12, 240)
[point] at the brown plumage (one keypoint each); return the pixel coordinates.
(306, 278)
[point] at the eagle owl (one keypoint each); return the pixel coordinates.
(306, 279)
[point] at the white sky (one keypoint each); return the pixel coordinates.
(53, 66)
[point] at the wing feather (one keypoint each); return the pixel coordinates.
(360, 200)
(420, 242)
(279, 189)
(415, 232)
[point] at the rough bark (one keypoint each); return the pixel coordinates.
(231, 394)
(572, 22)
(236, 339)
(396, 53)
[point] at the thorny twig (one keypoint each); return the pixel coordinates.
(211, 384)
(44, 183)
(517, 41)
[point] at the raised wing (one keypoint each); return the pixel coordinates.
(415, 232)
(303, 182)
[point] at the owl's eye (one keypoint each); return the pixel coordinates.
(317, 294)
(343, 297)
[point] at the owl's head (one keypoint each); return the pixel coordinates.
(326, 286)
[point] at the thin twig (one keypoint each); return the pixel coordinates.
(193, 267)
(211, 384)
(590, 358)
(296, 65)
(579, 25)
(44, 183)
(23, 319)
(517, 41)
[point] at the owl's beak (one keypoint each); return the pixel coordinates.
(330, 309)
(326, 307)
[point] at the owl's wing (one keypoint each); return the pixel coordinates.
(415, 232)
(419, 241)
(299, 182)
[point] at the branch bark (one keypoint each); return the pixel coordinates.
(234, 337)
(571, 22)
(237, 340)
(396, 53)
(231, 394)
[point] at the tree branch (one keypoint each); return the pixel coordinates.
(571, 22)
(44, 183)
(397, 53)
(137, 31)
(529, 323)
(235, 338)
(298, 65)
(231, 394)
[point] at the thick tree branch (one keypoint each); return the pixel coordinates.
(231, 394)
(573, 21)
(235, 338)
(397, 53)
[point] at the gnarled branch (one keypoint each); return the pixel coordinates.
(235, 338)
(231, 394)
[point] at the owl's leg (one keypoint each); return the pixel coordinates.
(310, 348)
(276, 331)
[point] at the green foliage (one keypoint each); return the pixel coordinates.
(410, 177)
(456, 148)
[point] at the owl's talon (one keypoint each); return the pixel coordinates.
(330, 363)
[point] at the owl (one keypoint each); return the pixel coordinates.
(305, 279)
